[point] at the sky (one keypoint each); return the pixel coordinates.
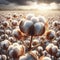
(14, 3)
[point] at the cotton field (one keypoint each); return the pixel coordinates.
(30, 35)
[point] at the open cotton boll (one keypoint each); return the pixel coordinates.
(50, 34)
(39, 28)
(42, 19)
(5, 44)
(34, 54)
(34, 19)
(40, 49)
(16, 51)
(8, 32)
(15, 44)
(46, 58)
(49, 48)
(15, 15)
(27, 24)
(16, 33)
(3, 57)
(35, 42)
(54, 50)
(58, 53)
(55, 23)
(14, 22)
(5, 23)
(27, 57)
(29, 16)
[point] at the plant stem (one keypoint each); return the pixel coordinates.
(30, 46)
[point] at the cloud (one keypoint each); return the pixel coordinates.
(18, 3)
(5, 2)
(26, 2)
(48, 1)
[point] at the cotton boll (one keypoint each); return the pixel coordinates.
(49, 48)
(3, 57)
(50, 35)
(27, 57)
(14, 22)
(15, 15)
(55, 23)
(35, 42)
(44, 53)
(42, 19)
(34, 54)
(8, 32)
(40, 49)
(39, 28)
(1, 32)
(58, 53)
(54, 50)
(58, 58)
(5, 44)
(27, 25)
(5, 23)
(11, 39)
(55, 42)
(58, 33)
(16, 51)
(4, 36)
(34, 20)
(29, 16)
(27, 42)
(15, 44)
(44, 58)
(16, 33)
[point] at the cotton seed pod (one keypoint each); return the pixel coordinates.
(34, 19)
(27, 42)
(54, 50)
(40, 49)
(58, 33)
(42, 19)
(4, 36)
(3, 57)
(17, 51)
(29, 16)
(44, 58)
(55, 23)
(54, 42)
(58, 53)
(27, 27)
(5, 44)
(14, 22)
(58, 58)
(44, 53)
(5, 23)
(39, 28)
(27, 57)
(17, 34)
(8, 32)
(50, 35)
(15, 15)
(1, 32)
(51, 49)
(35, 42)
